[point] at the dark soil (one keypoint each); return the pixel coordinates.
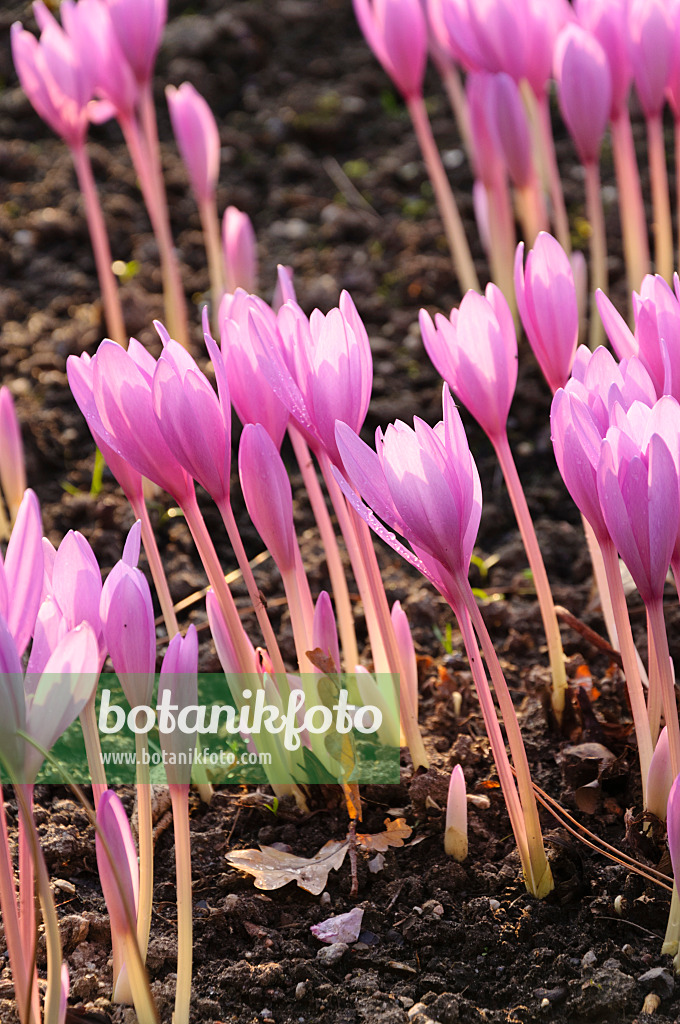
(297, 93)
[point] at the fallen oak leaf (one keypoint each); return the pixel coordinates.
(394, 835)
(273, 869)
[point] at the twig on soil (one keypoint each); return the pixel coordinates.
(346, 186)
(564, 615)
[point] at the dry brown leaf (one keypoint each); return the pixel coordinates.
(322, 661)
(272, 868)
(394, 835)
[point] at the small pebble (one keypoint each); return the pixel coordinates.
(627, 950)
(331, 954)
(325, 900)
(300, 990)
(494, 905)
(589, 959)
(658, 980)
(416, 1008)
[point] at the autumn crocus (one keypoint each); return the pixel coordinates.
(178, 678)
(456, 835)
(321, 368)
(119, 876)
(269, 500)
(12, 464)
(584, 92)
(651, 43)
(423, 484)
(546, 299)
(60, 86)
(198, 141)
(122, 392)
(607, 21)
(80, 372)
(127, 619)
(491, 195)
(475, 351)
(396, 31)
(239, 247)
(196, 425)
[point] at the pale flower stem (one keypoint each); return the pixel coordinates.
(149, 128)
(540, 880)
(676, 142)
(156, 566)
(598, 250)
(10, 917)
(631, 205)
(549, 161)
(145, 841)
(543, 592)
(253, 591)
(180, 817)
(213, 248)
(93, 749)
(27, 925)
(493, 731)
(457, 99)
(206, 550)
(173, 289)
(531, 210)
(655, 699)
(298, 621)
(663, 228)
(24, 794)
(605, 597)
(453, 225)
(663, 663)
(627, 647)
(100, 245)
(384, 645)
(671, 940)
(336, 570)
(502, 239)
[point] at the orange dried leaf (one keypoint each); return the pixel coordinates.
(394, 835)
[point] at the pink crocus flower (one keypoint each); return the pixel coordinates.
(267, 493)
(475, 351)
(12, 465)
(197, 136)
(423, 483)
(638, 490)
(396, 31)
(673, 823)
(21, 575)
(656, 338)
(90, 27)
(546, 299)
(512, 129)
(239, 246)
(606, 20)
(127, 618)
(325, 630)
(584, 89)
(122, 390)
(119, 872)
(251, 393)
(139, 25)
(80, 373)
(651, 41)
(44, 706)
(450, 24)
(178, 676)
(195, 422)
(56, 82)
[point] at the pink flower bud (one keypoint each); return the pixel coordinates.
(198, 138)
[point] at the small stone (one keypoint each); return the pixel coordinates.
(494, 905)
(325, 900)
(406, 1002)
(416, 1008)
(589, 960)
(300, 990)
(331, 954)
(658, 980)
(265, 1013)
(627, 949)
